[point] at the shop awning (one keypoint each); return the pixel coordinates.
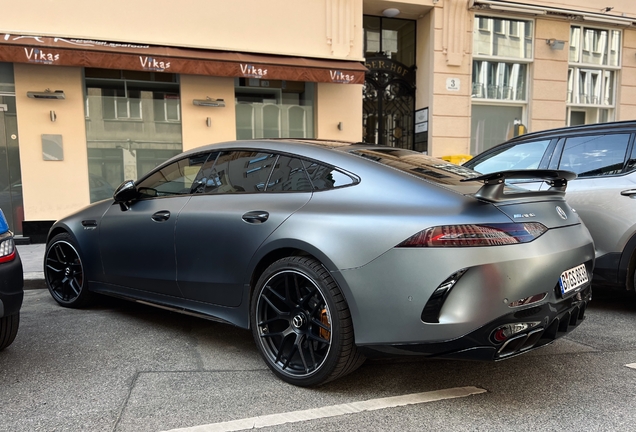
(114, 55)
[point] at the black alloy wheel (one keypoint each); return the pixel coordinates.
(64, 272)
(301, 323)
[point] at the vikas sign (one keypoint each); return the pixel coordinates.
(340, 77)
(152, 64)
(36, 55)
(252, 71)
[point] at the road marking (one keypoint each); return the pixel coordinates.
(631, 365)
(333, 410)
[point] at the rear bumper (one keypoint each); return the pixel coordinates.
(11, 287)
(556, 320)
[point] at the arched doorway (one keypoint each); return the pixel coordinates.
(389, 103)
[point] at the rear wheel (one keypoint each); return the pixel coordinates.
(64, 272)
(301, 323)
(8, 329)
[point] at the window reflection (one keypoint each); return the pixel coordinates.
(594, 60)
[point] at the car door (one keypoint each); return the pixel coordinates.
(601, 192)
(137, 241)
(248, 194)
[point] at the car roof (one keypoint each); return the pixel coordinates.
(629, 125)
(280, 143)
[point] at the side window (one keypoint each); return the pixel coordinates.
(521, 156)
(595, 155)
(289, 175)
(324, 177)
(631, 163)
(175, 179)
(239, 171)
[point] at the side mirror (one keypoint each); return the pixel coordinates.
(124, 193)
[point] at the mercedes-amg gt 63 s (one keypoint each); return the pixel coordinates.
(330, 252)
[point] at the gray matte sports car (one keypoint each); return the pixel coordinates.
(332, 251)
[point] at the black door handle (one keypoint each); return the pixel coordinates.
(161, 216)
(256, 217)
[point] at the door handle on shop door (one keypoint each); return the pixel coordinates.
(161, 216)
(256, 217)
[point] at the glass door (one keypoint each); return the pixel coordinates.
(10, 176)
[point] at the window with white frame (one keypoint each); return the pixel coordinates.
(594, 62)
(502, 53)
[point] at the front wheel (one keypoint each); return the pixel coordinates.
(64, 272)
(302, 324)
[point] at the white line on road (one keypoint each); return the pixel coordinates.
(631, 365)
(334, 410)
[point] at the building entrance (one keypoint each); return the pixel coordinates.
(389, 86)
(10, 174)
(389, 103)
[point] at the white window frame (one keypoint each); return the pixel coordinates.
(597, 103)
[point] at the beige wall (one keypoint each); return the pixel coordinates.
(194, 118)
(548, 91)
(51, 189)
(627, 86)
(450, 111)
(315, 28)
(339, 103)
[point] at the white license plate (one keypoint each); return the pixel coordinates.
(573, 278)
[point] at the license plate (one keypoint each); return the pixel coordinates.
(573, 278)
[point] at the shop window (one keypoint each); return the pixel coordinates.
(133, 124)
(593, 73)
(274, 109)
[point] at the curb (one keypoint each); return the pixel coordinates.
(34, 280)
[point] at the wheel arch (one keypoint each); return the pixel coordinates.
(628, 264)
(284, 248)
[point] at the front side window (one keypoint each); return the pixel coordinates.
(178, 178)
(595, 155)
(594, 60)
(502, 53)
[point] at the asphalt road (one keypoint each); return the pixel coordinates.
(120, 366)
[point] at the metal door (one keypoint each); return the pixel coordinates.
(389, 104)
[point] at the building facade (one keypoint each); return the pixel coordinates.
(93, 96)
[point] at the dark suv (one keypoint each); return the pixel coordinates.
(604, 193)
(11, 285)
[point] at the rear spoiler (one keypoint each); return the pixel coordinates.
(494, 183)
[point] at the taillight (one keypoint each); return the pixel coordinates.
(7, 251)
(475, 235)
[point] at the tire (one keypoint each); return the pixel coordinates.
(64, 272)
(301, 323)
(8, 329)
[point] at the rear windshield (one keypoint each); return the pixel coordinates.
(420, 165)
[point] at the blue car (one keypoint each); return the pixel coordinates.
(11, 285)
